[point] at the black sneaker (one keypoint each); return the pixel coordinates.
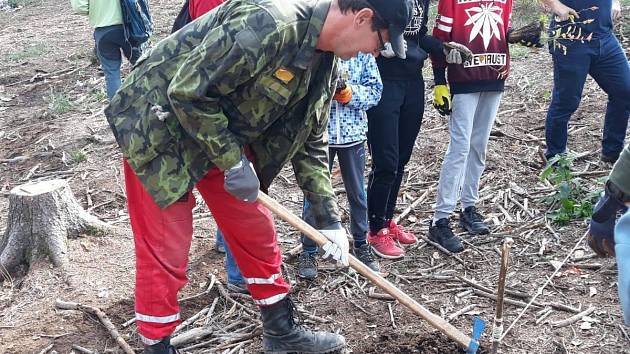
(472, 221)
(440, 232)
(364, 254)
(307, 266)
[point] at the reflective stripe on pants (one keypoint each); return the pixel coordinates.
(162, 240)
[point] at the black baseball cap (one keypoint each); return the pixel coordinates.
(397, 14)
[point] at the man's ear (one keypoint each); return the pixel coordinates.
(363, 17)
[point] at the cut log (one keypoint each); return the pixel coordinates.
(42, 216)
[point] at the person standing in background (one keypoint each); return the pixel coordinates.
(109, 36)
(359, 88)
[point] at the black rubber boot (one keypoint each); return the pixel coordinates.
(163, 347)
(281, 335)
(472, 221)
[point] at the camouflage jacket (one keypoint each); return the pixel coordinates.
(245, 74)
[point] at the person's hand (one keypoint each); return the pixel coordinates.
(241, 181)
(343, 94)
(562, 11)
(442, 99)
(616, 10)
(456, 53)
(601, 233)
(337, 246)
(388, 52)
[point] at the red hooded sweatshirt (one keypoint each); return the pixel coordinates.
(482, 26)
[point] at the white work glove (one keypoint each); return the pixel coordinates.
(388, 52)
(616, 10)
(337, 246)
(456, 53)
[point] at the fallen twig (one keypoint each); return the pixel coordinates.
(573, 318)
(64, 305)
(391, 314)
(80, 349)
(461, 311)
(442, 249)
(540, 290)
(414, 204)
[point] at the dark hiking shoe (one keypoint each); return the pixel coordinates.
(609, 158)
(472, 221)
(441, 233)
(365, 255)
(163, 347)
(282, 335)
(307, 266)
(238, 288)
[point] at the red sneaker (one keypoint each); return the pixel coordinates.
(398, 233)
(384, 245)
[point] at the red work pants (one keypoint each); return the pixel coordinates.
(162, 240)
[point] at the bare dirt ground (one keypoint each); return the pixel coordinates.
(51, 126)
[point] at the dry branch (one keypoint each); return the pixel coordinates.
(573, 318)
(64, 305)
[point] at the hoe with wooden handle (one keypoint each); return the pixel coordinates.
(468, 343)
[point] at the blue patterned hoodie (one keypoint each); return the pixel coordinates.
(348, 122)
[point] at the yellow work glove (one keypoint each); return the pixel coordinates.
(442, 99)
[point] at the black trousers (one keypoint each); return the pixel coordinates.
(393, 126)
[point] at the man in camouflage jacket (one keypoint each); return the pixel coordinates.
(249, 81)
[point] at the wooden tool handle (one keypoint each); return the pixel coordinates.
(310, 232)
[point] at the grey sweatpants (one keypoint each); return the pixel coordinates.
(469, 127)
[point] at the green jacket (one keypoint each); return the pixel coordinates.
(620, 174)
(246, 74)
(102, 13)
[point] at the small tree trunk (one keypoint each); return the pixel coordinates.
(41, 217)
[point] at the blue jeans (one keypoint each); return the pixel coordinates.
(606, 62)
(352, 165)
(110, 41)
(622, 251)
(233, 272)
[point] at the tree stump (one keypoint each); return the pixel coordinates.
(41, 217)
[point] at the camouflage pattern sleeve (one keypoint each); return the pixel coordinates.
(310, 165)
(229, 56)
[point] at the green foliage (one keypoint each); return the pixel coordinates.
(77, 156)
(571, 201)
(59, 103)
(34, 51)
(92, 230)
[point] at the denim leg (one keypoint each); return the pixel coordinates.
(308, 245)
(220, 241)
(569, 75)
(109, 42)
(233, 272)
(611, 71)
(622, 251)
(352, 164)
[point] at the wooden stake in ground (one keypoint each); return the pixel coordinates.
(497, 324)
(41, 217)
(64, 305)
